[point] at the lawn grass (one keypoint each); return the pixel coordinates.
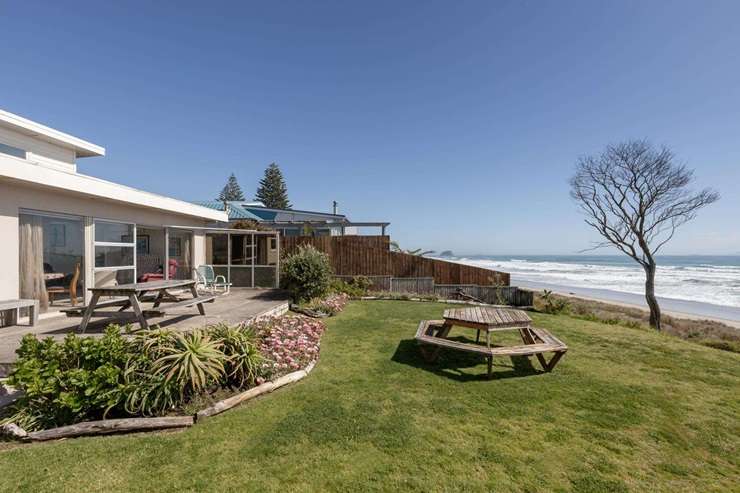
(625, 410)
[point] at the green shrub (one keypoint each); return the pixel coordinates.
(152, 373)
(553, 304)
(66, 382)
(356, 287)
(306, 274)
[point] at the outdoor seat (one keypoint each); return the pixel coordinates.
(207, 279)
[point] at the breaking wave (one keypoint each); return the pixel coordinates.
(684, 278)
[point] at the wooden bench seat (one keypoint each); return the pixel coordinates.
(537, 342)
(77, 311)
(545, 336)
(15, 305)
(161, 310)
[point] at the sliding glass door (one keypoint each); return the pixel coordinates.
(180, 254)
(51, 258)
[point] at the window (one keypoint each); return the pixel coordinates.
(115, 246)
(12, 151)
(107, 232)
(52, 266)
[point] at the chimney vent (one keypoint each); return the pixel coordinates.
(334, 207)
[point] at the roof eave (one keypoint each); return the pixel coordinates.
(22, 125)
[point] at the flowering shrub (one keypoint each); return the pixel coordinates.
(332, 304)
(288, 343)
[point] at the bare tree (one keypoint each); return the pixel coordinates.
(636, 196)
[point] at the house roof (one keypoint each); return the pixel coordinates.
(236, 212)
(239, 210)
(24, 126)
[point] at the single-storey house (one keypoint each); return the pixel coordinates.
(292, 222)
(64, 231)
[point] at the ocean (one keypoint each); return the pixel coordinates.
(694, 278)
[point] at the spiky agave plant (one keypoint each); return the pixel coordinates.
(244, 359)
(193, 361)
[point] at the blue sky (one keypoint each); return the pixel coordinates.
(458, 122)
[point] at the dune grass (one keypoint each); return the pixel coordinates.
(625, 410)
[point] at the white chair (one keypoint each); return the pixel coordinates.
(207, 279)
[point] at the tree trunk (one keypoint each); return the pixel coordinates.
(650, 296)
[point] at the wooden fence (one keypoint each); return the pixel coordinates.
(371, 256)
(495, 295)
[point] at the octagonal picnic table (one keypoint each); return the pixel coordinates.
(487, 319)
(537, 341)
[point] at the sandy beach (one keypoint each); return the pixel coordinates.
(678, 308)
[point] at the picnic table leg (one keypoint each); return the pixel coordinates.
(444, 331)
(134, 301)
(200, 306)
(490, 367)
(89, 311)
(528, 338)
(160, 296)
(554, 360)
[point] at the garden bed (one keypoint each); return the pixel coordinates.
(156, 379)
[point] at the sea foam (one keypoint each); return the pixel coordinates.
(704, 282)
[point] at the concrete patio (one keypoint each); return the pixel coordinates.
(240, 305)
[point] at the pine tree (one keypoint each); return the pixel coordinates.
(272, 190)
(231, 191)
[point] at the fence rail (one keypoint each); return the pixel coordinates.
(495, 295)
(371, 256)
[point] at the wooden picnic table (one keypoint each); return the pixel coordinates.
(487, 319)
(130, 296)
(432, 335)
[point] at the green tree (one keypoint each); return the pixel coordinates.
(272, 190)
(232, 190)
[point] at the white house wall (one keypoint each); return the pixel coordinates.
(39, 151)
(15, 196)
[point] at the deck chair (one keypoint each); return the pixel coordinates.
(207, 279)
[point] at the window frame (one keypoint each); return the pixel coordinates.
(113, 268)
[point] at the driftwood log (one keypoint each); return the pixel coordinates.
(264, 388)
(13, 430)
(111, 426)
(308, 312)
